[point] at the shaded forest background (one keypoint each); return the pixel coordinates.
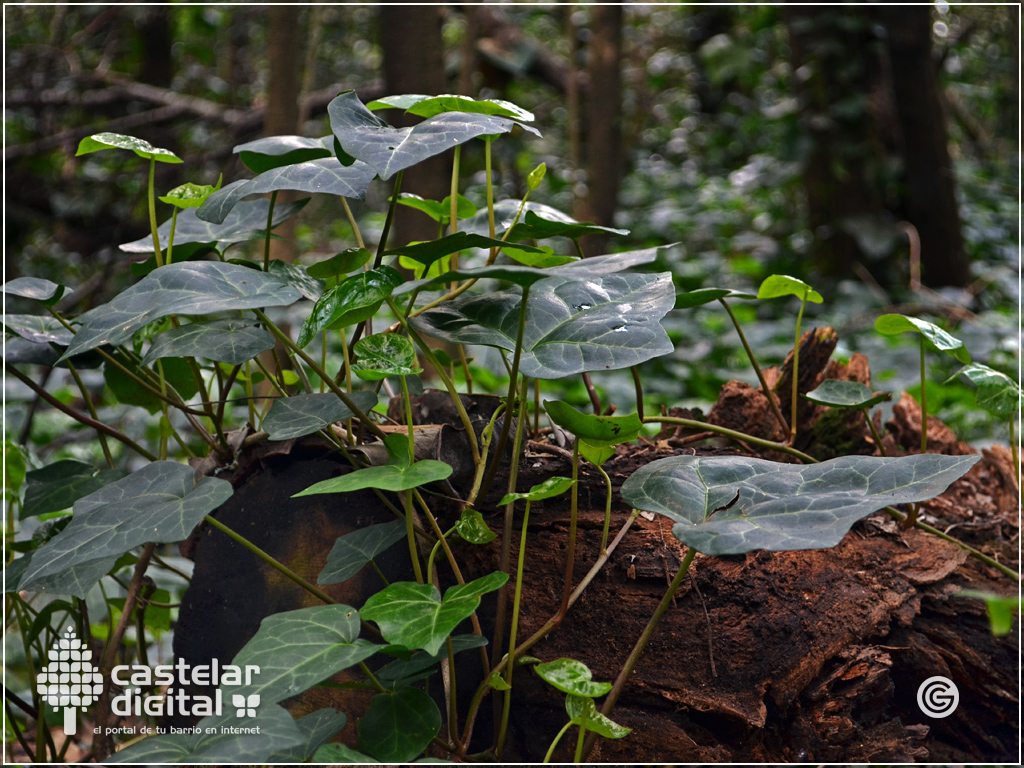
(832, 143)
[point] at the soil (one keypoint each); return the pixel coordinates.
(812, 656)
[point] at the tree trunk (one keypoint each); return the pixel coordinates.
(155, 36)
(603, 122)
(930, 190)
(414, 63)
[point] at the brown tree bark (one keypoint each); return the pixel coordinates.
(414, 63)
(930, 187)
(603, 110)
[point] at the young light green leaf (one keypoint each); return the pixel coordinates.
(272, 152)
(414, 615)
(100, 141)
(297, 649)
(354, 550)
(191, 288)
(584, 713)
(383, 355)
(439, 212)
(573, 324)
(57, 486)
(571, 676)
(305, 414)
(398, 726)
(339, 264)
(536, 177)
(428, 252)
(892, 325)
(1000, 609)
(553, 486)
(161, 502)
(784, 285)
(44, 291)
(846, 394)
(781, 506)
(605, 429)
(472, 527)
(997, 393)
(428, 106)
(230, 341)
(190, 195)
(546, 258)
(351, 301)
(688, 299)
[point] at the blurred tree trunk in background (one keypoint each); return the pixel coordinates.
(413, 48)
(603, 123)
(930, 190)
(284, 59)
(154, 29)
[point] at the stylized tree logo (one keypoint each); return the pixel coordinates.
(69, 680)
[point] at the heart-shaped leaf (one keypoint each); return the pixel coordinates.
(543, 260)
(325, 176)
(305, 414)
(230, 341)
(354, 550)
(892, 325)
(217, 739)
(248, 221)
(192, 288)
(310, 287)
(472, 527)
(439, 212)
(414, 615)
(317, 727)
(606, 429)
(541, 222)
(398, 726)
(383, 355)
(428, 252)
(351, 301)
(76, 580)
(572, 324)
(701, 296)
(36, 288)
(297, 649)
(161, 502)
(553, 486)
(571, 676)
(428, 106)
(340, 264)
(127, 391)
(997, 393)
(190, 195)
(140, 147)
(846, 394)
(40, 329)
(583, 712)
(389, 150)
(781, 507)
(784, 285)
(57, 486)
(271, 152)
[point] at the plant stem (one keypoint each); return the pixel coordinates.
(924, 402)
(739, 436)
(275, 564)
(874, 432)
(595, 401)
(489, 185)
(352, 223)
(757, 368)
(641, 643)
(170, 240)
(796, 367)
(407, 498)
(607, 507)
(270, 226)
(381, 246)
(157, 253)
(578, 756)
(639, 386)
(92, 412)
(558, 738)
(573, 509)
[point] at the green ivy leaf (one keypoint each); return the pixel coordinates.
(997, 393)
(383, 355)
(784, 285)
(553, 486)
(225, 341)
(542, 221)
(100, 141)
(472, 527)
(14, 474)
(272, 152)
(428, 252)
(353, 551)
(351, 301)
(398, 726)
(36, 288)
(414, 615)
(583, 712)
(340, 264)
(428, 106)
(58, 486)
(543, 260)
(571, 676)
(302, 415)
(439, 212)
(317, 727)
(190, 195)
(127, 391)
(420, 665)
(688, 299)
(846, 394)
(781, 507)
(610, 430)
(892, 325)
(39, 329)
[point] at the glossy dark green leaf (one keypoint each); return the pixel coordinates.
(18, 350)
(353, 551)
(428, 106)
(547, 258)
(553, 486)
(305, 414)
(340, 264)
(351, 301)
(162, 502)
(892, 325)
(398, 726)
(472, 527)
(40, 329)
(701, 296)
(439, 212)
(324, 176)
(571, 676)
(389, 150)
(127, 391)
(248, 221)
(583, 712)
(271, 152)
(310, 287)
(414, 615)
(781, 506)
(428, 252)
(191, 288)
(140, 147)
(317, 727)
(997, 393)
(230, 341)
(273, 731)
(420, 664)
(846, 394)
(573, 324)
(383, 355)
(57, 486)
(297, 649)
(606, 429)
(189, 195)
(540, 223)
(784, 285)
(36, 288)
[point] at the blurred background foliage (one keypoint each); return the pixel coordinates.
(761, 139)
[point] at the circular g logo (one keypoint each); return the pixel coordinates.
(938, 696)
